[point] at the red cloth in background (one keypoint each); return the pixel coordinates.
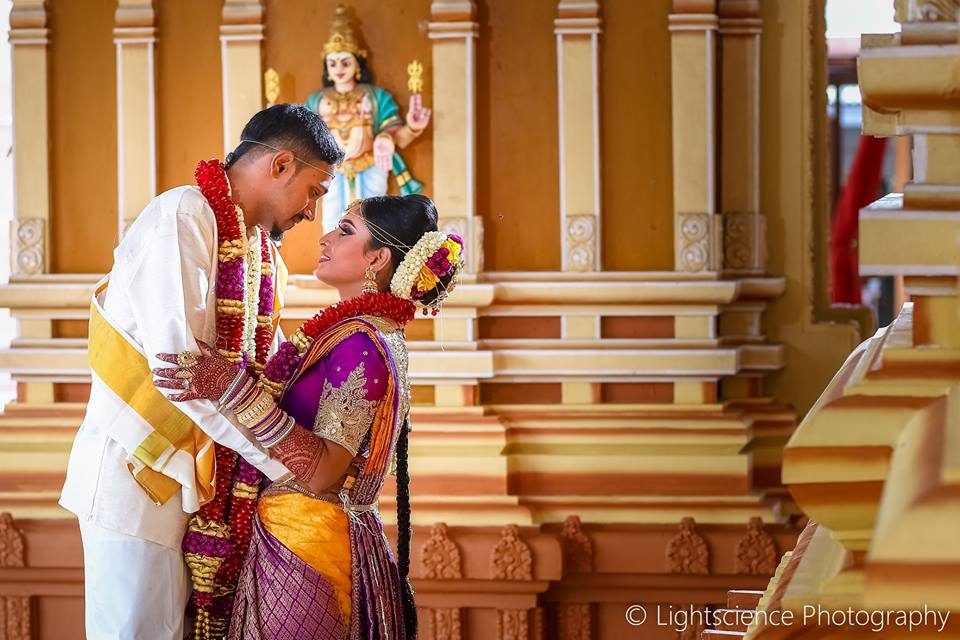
(863, 183)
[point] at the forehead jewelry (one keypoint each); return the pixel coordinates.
(328, 173)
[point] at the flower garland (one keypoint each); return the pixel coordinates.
(285, 362)
(436, 255)
(219, 534)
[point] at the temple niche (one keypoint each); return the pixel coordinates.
(606, 412)
(365, 120)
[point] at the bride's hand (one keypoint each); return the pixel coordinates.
(205, 375)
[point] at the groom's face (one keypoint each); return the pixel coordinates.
(298, 188)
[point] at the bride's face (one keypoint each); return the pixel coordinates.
(345, 253)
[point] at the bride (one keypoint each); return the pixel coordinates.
(332, 405)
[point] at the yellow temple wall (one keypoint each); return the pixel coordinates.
(189, 94)
(517, 97)
(636, 137)
(636, 404)
(83, 132)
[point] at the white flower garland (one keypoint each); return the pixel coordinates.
(401, 285)
(251, 303)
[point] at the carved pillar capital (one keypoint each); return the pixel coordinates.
(28, 22)
(134, 20)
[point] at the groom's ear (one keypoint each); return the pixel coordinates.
(282, 163)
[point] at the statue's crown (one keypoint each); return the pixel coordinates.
(342, 38)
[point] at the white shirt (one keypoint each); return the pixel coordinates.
(162, 293)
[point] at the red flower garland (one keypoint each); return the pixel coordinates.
(237, 482)
(284, 363)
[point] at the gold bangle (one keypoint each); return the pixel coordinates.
(252, 415)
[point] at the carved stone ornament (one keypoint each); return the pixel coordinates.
(29, 246)
(439, 556)
(445, 624)
(576, 546)
(511, 559)
(471, 230)
(538, 627)
(575, 621)
(14, 611)
(687, 552)
(927, 10)
(581, 243)
(743, 241)
(694, 240)
(756, 552)
(513, 624)
(454, 225)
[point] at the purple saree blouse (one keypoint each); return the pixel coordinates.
(338, 395)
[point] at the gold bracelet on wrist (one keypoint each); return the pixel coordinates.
(253, 414)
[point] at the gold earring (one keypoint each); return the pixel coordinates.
(370, 281)
(357, 74)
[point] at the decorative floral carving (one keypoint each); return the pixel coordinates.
(11, 543)
(511, 558)
(744, 246)
(576, 546)
(445, 624)
(513, 624)
(581, 243)
(575, 621)
(14, 611)
(687, 552)
(439, 556)
(471, 230)
(29, 248)
(934, 11)
(694, 240)
(454, 225)
(756, 551)
(538, 627)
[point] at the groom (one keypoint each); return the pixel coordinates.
(131, 484)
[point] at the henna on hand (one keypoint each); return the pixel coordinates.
(208, 378)
(317, 463)
(301, 452)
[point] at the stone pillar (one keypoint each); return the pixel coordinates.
(453, 31)
(134, 35)
(30, 227)
(31, 164)
(577, 27)
(240, 35)
(693, 26)
(744, 229)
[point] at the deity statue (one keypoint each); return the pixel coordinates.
(366, 122)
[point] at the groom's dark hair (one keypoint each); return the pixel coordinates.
(288, 126)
